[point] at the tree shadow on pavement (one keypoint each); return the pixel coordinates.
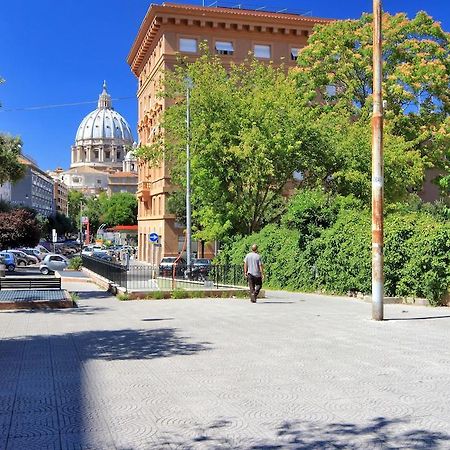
(135, 344)
(380, 433)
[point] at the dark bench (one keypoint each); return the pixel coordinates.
(30, 283)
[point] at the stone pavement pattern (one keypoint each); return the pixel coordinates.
(291, 372)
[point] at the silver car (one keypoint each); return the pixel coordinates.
(53, 262)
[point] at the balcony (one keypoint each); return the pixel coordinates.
(143, 192)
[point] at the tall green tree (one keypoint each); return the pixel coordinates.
(120, 209)
(19, 227)
(247, 138)
(76, 199)
(416, 77)
(10, 167)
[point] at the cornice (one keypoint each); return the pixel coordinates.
(214, 17)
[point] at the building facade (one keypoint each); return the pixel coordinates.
(125, 180)
(170, 30)
(34, 190)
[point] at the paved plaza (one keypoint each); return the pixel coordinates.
(290, 372)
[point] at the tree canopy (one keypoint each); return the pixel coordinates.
(10, 167)
(19, 227)
(118, 209)
(335, 74)
(248, 137)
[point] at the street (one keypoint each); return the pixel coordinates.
(293, 371)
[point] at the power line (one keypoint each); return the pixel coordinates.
(60, 105)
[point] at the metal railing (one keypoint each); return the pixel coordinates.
(150, 277)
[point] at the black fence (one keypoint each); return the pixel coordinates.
(149, 277)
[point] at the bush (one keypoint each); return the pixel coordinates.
(417, 256)
(334, 252)
(123, 296)
(75, 263)
(156, 295)
(179, 293)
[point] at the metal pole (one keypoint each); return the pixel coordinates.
(188, 173)
(377, 168)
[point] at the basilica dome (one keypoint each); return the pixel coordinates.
(103, 137)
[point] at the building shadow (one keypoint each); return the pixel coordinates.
(46, 399)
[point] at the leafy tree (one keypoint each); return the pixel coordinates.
(10, 167)
(120, 209)
(346, 169)
(75, 199)
(61, 223)
(416, 76)
(248, 136)
(19, 227)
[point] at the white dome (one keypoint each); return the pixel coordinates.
(104, 124)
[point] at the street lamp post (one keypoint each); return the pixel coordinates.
(189, 85)
(377, 168)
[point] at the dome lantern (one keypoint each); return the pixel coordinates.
(104, 99)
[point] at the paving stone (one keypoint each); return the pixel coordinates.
(290, 372)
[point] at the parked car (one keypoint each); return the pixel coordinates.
(53, 262)
(33, 252)
(198, 270)
(89, 250)
(9, 261)
(166, 266)
(203, 264)
(31, 259)
(103, 256)
(21, 257)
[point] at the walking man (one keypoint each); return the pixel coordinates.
(253, 270)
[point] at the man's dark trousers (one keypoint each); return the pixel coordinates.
(255, 285)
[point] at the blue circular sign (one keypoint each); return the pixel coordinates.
(153, 237)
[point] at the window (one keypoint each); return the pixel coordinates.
(107, 154)
(261, 51)
(118, 155)
(188, 45)
(294, 53)
(99, 181)
(96, 154)
(224, 48)
(76, 180)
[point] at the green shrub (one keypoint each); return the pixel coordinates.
(74, 296)
(179, 293)
(420, 247)
(157, 295)
(312, 210)
(75, 263)
(196, 294)
(123, 296)
(336, 255)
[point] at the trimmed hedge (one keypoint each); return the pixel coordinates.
(334, 255)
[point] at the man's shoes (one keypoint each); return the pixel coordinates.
(252, 298)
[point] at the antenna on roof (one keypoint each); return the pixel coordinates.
(212, 4)
(260, 8)
(281, 10)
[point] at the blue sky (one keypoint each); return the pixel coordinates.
(58, 52)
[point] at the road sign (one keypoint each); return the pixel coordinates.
(54, 236)
(84, 220)
(153, 237)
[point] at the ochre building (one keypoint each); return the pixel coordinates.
(170, 30)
